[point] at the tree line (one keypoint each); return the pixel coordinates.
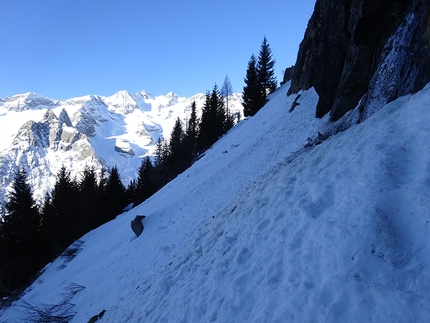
(32, 235)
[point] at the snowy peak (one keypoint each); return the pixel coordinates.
(27, 101)
(39, 134)
(121, 102)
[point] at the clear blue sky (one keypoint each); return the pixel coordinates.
(68, 48)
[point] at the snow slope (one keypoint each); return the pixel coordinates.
(262, 229)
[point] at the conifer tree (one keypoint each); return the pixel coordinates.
(145, 185)
(177, 163)
(252, 94)
(176, 140)
(206, 124)
(66, 208)
(114, 197)
(260, 80)
(161, 163)
(20, 252)
(212, 124)
(220, 114)
(191, 133)
(265, 69)
(89, 201)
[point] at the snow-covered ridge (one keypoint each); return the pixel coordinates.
(41, 134)
(265, 228)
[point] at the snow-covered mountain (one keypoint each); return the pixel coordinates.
(273, 224)
(41, 134)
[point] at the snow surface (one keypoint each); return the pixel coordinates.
(262, 229)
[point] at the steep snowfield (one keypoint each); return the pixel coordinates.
(262, 229)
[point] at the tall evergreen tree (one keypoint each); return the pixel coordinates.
(252, 94)
(176, 140)
(114, 195)
(212, 124)
(220, 114)
(265, 69)
(161, 163)
(146, 183)
(66, 208)
(177, 162)
(206, 124)
(19, 236)
(89, 201)
(191, 133)
(260, 80)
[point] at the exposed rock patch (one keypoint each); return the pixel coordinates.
(348, 41)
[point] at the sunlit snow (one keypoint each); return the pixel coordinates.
(262, 229)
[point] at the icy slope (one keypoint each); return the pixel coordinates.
(262, 229)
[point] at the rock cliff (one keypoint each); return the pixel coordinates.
(363, 52)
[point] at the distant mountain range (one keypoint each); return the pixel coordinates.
(41, 134)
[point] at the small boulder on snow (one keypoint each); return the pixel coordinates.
(136, 225)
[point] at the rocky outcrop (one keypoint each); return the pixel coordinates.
(347, 42)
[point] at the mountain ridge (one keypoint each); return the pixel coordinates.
(41, 134)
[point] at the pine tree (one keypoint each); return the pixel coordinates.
(114, 197)
(191, 133)
(252, 98)
(205, 125)
(89, 200)
(220, 114)
(212, 124)
(260, 80)
(176, 141)
(145, 185)
(65, 198)
(177, 157)
(265, 69)
(20, 246)
(161, 164)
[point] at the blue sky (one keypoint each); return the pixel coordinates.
(68, 48)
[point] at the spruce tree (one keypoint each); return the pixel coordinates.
(252, 98)
(66, 208)
(20, 243)
(191, 133)
(220, 113)
(114, 197)
(177, 161)
(265, 69)
(212, 124)
(89, 201)
(206, 124)
(145, 185)
(161, 163)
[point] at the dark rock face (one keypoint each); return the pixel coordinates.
(346, 42)
(136, 225)
(287, 75)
